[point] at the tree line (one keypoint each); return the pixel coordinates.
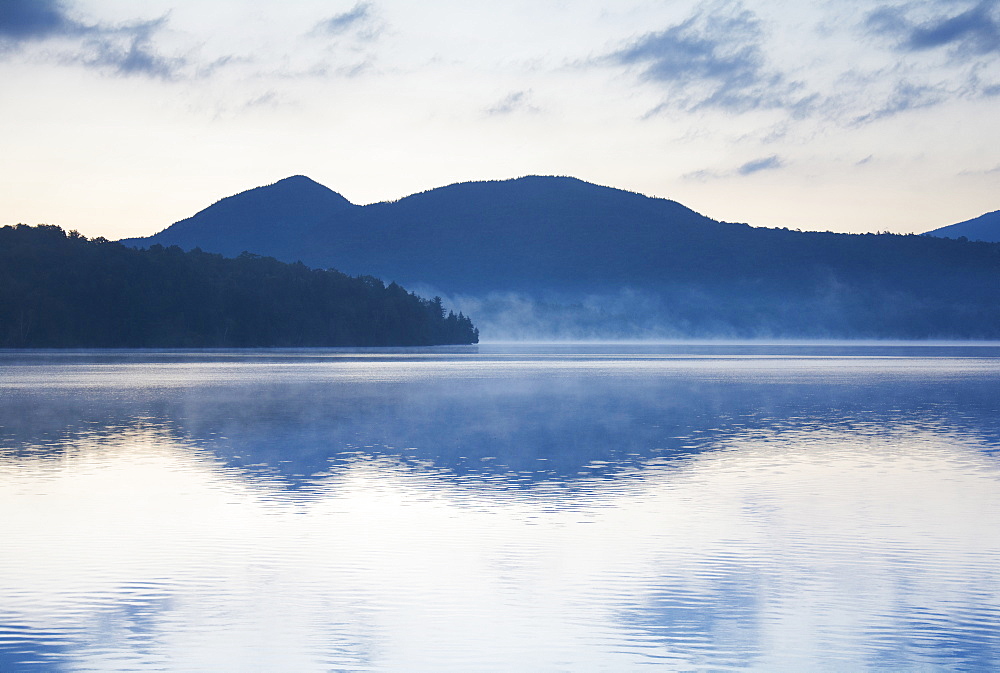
(62, 290)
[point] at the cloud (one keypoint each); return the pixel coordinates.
(970, 33)
(268, 99)
(341, 22)
(714, 59)
(986, 171)
(906, 96)
(944, 50)
(977, 85)
(516, 101)
(717, 58)
(751, 167)
(129, 51)
(360, 20)
(124, 49)
(350, 33)
(24, 20)
(757, 165)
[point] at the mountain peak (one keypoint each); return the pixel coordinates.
(294, 187)
(250, 219)
(299, 182)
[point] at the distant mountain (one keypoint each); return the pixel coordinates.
(551, 257)
(983, 228)
(467, 237)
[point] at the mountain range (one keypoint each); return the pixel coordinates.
(551, 257)
(467, 237)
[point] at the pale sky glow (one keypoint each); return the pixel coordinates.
(119, 117)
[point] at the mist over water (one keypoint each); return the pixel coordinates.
(828, 309)
(780, 507)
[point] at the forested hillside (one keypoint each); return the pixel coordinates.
(63, 290)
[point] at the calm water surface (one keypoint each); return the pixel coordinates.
(501, 508)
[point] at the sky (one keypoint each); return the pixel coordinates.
(119, 117)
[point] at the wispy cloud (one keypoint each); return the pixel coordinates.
(718, 58)
(129, 51)
(515, 101)
(714, 59)
(969, 33)
(762, 164)
(986, 171)
(906, 96)
(124, 49)
(359, 21)
(347, 38)
(944, 49)
(268, 99)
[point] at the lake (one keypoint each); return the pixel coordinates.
(506, 507)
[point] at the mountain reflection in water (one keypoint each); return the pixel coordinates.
(514, 509)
